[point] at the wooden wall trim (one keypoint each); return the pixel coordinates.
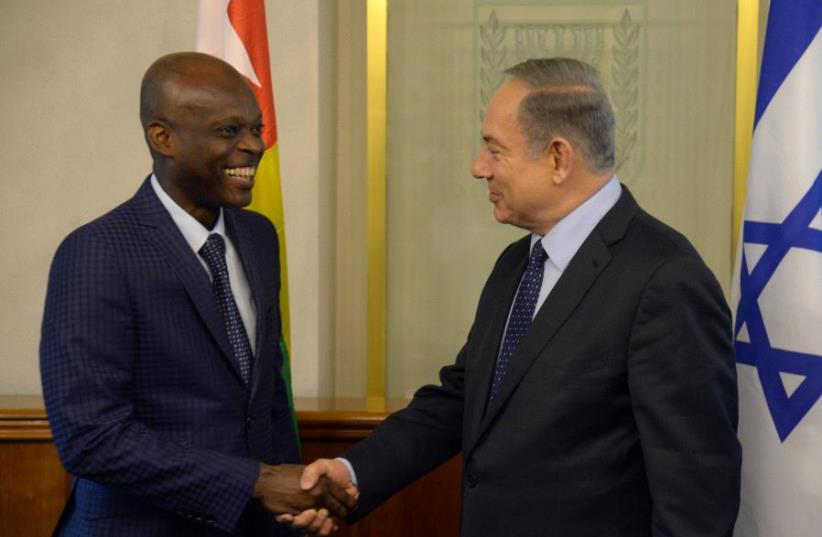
(24, 418)
(24, 429)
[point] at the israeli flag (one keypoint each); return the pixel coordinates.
(777, 287)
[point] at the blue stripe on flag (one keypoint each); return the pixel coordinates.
(792, 25)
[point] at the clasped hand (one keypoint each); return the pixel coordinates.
(305, 502)
(318, 519)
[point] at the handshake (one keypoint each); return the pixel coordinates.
(307, 498)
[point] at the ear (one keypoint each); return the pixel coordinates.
(160, 138)
(561, 155)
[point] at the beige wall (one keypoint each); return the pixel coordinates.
(444, 61)
(72, 148)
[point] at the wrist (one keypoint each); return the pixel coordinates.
(263, 476)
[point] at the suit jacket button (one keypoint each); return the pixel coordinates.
(249, 421)
(472, 480)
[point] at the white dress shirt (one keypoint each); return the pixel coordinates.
(196, 235)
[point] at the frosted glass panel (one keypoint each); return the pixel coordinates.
(669, 68)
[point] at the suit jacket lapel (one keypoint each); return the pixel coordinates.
(160, 230)
(561, 302)
(582, 271)
(479, 383)
(245, 249)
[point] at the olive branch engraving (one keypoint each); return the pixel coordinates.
(492, 52)
(625, 92)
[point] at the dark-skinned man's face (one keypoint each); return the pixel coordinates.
(216, 130)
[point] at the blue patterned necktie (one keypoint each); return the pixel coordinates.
(521, 314)
(213, 252)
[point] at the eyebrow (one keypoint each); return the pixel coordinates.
(235, 119)
(489, 139)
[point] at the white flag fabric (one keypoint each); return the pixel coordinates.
(777, 287)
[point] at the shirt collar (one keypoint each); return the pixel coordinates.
(565, 238)
(193, 231)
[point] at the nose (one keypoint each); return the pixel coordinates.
(251, 142)
(481, 168)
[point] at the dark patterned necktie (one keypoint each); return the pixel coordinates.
(213, 252)
(521, 314)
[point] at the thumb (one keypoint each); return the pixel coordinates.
(312, 473)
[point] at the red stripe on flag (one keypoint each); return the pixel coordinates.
(248, 19)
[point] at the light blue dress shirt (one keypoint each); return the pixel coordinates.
(564, 240)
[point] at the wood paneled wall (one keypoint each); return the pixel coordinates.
(34, 485)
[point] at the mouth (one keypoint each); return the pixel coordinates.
(493, 197)
(243, 176)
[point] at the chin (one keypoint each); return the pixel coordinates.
(502, 217)
(237, 202)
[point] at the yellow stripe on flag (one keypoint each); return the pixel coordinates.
(267, 200)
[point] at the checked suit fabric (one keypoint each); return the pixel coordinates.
(521, 314)
(213, 252)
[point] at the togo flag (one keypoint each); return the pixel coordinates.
(778, 285)
(235, 31)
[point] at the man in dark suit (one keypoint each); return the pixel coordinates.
(596, 393)
(160, 346)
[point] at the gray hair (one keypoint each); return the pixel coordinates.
(568, 100)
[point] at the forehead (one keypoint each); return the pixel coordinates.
(193, 99)
(501, 116)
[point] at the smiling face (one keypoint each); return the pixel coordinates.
(207, 140)
(520, 184)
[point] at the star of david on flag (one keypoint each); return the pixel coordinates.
(778, 285)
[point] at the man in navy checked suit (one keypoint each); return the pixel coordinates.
(147, 401)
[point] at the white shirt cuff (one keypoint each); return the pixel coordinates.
(350, 469)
